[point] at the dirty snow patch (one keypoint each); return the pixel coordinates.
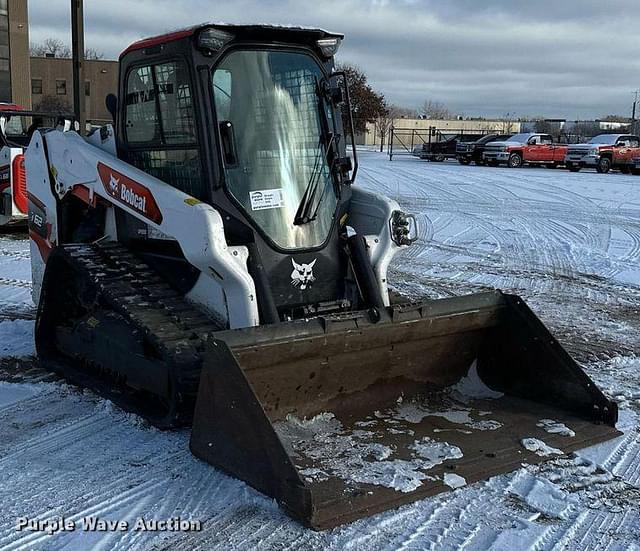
(541, 495)
(454, 481)
(540, 448)
(414, 412)
(434, 453)
(472, 386)
(555, 427)
(16, 338)
(354, 456)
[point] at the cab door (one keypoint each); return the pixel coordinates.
(545, 149)
(559, 152)
(532, 149)
(635, 149)
(629, 150)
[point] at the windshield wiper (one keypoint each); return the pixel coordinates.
(304, 213)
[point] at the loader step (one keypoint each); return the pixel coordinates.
(109, 323)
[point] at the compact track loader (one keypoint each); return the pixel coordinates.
(208, 260)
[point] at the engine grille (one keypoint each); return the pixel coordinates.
(577, 152)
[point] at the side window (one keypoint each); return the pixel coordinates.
(222, 85)
(142, 125)
(176, 103)
(159, 105)
(160, 125)
(630, 141)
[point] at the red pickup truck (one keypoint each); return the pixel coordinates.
(521, 149)
(605, 152)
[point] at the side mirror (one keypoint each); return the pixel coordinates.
(111, 103)
(337, 95)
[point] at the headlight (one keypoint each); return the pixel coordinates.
(329, 46)
(594, 151)
(213, 40)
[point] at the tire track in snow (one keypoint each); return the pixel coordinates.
(18, 255)
(11, 282)
(26, 540)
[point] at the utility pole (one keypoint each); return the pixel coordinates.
(77, 39)
(633, 112)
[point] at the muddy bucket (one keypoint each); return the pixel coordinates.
(344, 416)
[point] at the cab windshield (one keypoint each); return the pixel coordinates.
(520, 138)
(608, 139)
(279, 124)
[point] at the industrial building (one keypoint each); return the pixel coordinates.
(34, 81)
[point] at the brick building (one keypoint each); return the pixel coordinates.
(27, 81)
(53, 77)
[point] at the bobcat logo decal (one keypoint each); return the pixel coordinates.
(113, 183)
(302, 275)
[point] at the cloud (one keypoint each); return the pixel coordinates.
(574, 59)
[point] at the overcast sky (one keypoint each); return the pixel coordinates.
(557, 58)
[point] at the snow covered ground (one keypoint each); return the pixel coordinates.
(569, 243)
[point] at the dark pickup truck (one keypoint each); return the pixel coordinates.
(472, 151)
(446, 149)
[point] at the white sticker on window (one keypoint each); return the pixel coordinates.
(266, 199)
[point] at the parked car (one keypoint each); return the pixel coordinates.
(446, 149)
(605, 152)
(528, 148)
(466, 152)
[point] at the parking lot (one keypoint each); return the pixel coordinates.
(568, 243)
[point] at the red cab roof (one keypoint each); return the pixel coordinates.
(11, 107)
(160, 39)
(184, 33)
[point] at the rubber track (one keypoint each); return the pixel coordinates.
(175, 328)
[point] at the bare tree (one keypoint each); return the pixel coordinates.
(54, 47)
(92, 53)
(585, 129)
(51, 47)
(53, 104)
(436, 110)
(548, 127)
(403, 112)
(387, 118)
(508, 123)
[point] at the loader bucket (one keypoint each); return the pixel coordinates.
(341, 417)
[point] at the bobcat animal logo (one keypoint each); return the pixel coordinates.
(302, 275)
(113, 183)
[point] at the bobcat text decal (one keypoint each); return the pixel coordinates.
(129, 193)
